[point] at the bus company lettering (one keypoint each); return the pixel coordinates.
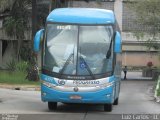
(85, 82)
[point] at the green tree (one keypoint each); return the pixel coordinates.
(148, 18)
(6, 4)
(16, 24)
(62, 3)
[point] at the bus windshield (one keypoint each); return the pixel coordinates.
(78, 49)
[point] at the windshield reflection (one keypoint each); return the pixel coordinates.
(78, 50)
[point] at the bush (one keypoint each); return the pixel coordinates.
(11, 65)
(157, 90)
(21, 66)
(149, 64)
(32, 73)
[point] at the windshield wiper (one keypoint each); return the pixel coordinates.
(66, 63)
(108, 55)
(87, 67)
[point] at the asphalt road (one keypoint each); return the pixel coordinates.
(135, 98)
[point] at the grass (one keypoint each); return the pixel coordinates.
(15, 77)
(158, 91)
(158, 94)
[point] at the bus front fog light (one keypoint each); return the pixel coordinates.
(50, 85)
(108, 95)
(44, 94)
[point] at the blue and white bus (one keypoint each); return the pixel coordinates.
(81, 57)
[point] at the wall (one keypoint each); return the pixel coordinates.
(139, 58)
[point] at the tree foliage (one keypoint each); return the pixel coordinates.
(6, 4)
(17, 23)
(148, 18)
(64, 3)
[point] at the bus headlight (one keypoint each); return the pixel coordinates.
(102, 86)
(50, 85)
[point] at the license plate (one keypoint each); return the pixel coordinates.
(75, 97)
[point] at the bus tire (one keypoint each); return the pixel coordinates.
(52, 105)
(108, 107)
(116, 101)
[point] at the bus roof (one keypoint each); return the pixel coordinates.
(82, 16)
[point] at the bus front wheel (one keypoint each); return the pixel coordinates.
(52, 105)
(108, 107)
(115, 102)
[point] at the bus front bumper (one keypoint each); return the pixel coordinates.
(97, 97)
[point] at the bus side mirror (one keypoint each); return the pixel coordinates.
(118, 44)
(37, 40)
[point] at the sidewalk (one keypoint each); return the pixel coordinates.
(135, 76)
(20, 87)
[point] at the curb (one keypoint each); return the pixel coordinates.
(21, 87)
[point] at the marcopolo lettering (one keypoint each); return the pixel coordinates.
(62, 82)
(86, 82)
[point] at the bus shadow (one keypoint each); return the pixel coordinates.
(79, 108)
